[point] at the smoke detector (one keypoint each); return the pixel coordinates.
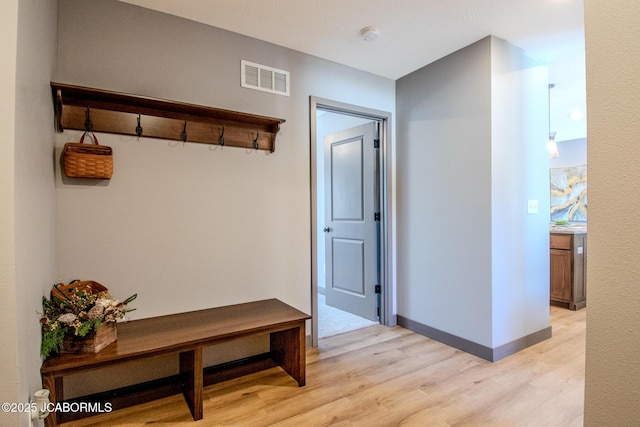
(369, 34)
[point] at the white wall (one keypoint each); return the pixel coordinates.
(572, 152)
(613, 321)
(190, 226)
(519, 172)
(471, 152)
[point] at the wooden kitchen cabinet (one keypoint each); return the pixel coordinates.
(568, 269)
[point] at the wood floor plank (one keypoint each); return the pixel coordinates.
(383, 376)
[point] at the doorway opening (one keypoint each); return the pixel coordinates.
(350, 287)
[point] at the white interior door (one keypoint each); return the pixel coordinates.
(350, 223)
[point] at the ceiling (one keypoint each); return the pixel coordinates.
(412, 34)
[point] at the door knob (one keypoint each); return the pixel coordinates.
(326, 229)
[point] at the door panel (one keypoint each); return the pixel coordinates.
(348, 254)
(346, 193)
(350, 226)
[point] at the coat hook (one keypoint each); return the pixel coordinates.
(183, 134)
(255, 141)
(88, 124)
(139, 128)
(221, 138)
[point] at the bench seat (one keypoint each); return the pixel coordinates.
(187, 334)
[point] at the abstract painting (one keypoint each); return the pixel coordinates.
(568, 193)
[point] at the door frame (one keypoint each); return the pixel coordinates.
(387, 303)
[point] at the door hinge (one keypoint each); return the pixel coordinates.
(376, 216)
(376, 143)
(378, 289)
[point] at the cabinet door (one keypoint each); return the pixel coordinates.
(580, 272)
(560, 280)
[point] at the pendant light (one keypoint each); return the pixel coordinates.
(552, 146)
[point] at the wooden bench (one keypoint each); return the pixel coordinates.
(187, 334)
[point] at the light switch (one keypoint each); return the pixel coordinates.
(532, 207)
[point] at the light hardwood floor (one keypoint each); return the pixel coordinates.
(383, 376)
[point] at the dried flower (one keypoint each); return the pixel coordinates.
(67, 318)
(77, 312)
(95, 312)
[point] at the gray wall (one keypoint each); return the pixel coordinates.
(27, 213)
(190, 226)
(444, 194)
(36, 268)
(611, 373)
(217, 226)
(471, 262)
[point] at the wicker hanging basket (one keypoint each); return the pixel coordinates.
(82, 160)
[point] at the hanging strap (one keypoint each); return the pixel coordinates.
(93, 135)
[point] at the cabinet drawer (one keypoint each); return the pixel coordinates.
(560, 241)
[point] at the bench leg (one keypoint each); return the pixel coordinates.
(288, 351)
(191, 370)
(54, 385)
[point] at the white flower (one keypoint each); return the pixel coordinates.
(108, 302)
(96, 312)
(67, 318)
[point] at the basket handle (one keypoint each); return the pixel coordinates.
(93, 135)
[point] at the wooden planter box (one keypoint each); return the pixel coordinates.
(92, 342)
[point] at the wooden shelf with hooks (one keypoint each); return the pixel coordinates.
(125, 114)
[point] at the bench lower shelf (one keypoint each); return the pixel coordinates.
(169, 386)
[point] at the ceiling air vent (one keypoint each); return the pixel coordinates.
(266, 79)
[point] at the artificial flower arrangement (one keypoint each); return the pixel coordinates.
(78, 310)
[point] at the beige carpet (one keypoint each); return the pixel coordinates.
(332, 321)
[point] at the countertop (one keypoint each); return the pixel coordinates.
(571, 228)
